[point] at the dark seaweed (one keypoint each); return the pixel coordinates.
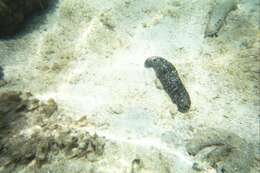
(1, 73)
(171, 82)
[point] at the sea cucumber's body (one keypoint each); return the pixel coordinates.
(171, 82)
(218, 15)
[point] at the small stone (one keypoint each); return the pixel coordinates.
(173, 111)
(136, 165)
(196, 167)
(100, 145)
(2, 83)
(145, 25)
(56, 67)
(32, 165)
(42, 150)
(2, 168)
(49, 108)
(116, 109)
(82, 145)
(75, 152)
(90, 147)
(91, 157)
(9, 101)
(33, 104)
(105, 19)
(1, 73)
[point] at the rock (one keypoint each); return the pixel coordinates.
(229, 153)
(23, 150)
(42, 150)
(11, 104)
(105, 19)
(196, 167)
(75, 152)
(9, 101)
(218, 15)
(14, 12)
(49, 108)
(32, 165)
(92, 157)
(18, 149)
(99, 144)
(1, 72)
(33, 104)
(173, 111)
(33, 139)
(1, 121)
(2, 82)
(116, 109)
(136, 165)
(82, 145)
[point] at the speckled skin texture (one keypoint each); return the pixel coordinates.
(171, 82)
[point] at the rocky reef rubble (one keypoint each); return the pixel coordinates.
(14, 12)
(2, 81)
(31, 134)
(1, 73)
(225, 151)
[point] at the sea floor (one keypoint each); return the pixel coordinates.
(89, 57)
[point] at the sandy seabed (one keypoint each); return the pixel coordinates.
(89, 57)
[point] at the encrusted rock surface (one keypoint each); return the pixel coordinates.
(218, 15)
(1, 73)
(229, 153)
(30, 132)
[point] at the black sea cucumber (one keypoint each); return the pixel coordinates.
(171, 82)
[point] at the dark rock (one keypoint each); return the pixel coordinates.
(14, 12)
(231, 153)
(9, 101)
(49, 108)
(36, 136)
(11, 107)
(1, 73)
(136, 165)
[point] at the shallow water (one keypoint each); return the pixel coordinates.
(89, 57)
